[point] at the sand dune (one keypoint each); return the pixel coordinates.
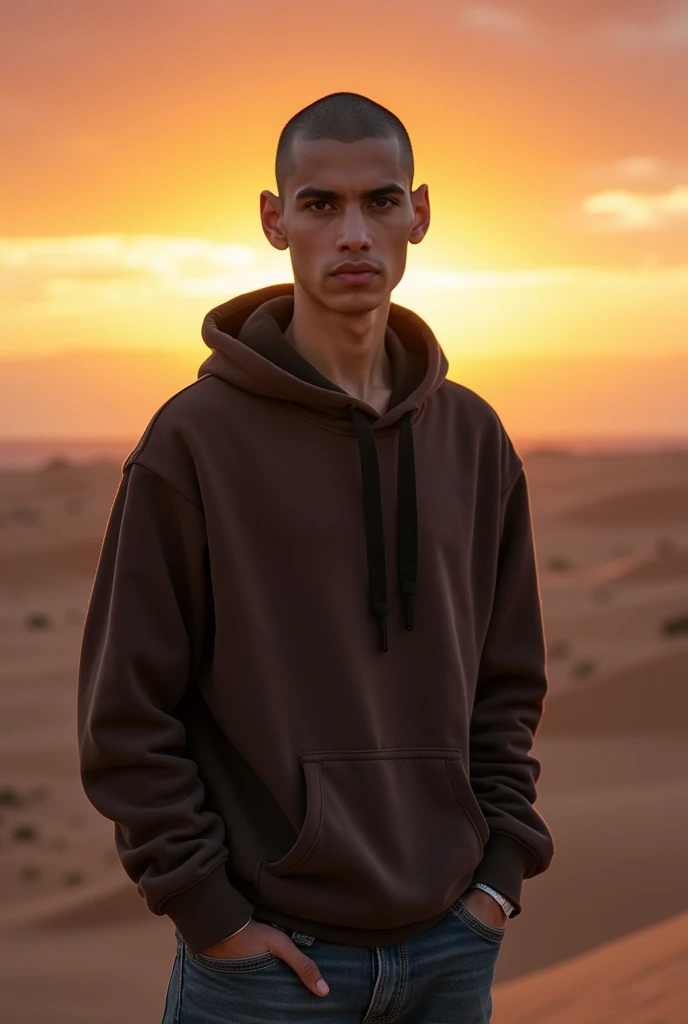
(77, 559)
(640, 979)
(654, 569)
(115, 974)
(642, 507)
(650, 697)
(113, 901)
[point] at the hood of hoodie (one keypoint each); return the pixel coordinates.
(249, 350)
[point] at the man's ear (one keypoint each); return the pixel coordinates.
(420, 201)
(271, 219)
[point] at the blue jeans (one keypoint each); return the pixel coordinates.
(442, 976)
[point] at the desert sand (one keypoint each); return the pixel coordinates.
(604, 932)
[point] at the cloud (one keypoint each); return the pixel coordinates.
(493, 18)
(82, 254)
(669, 30)
(487, 280)
(624, 210)
(630, 25)
(647, 179)
(640, 167)
(74, 274)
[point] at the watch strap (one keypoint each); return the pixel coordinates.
(506, 905)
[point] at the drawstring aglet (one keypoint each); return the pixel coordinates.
(382, 611)
(408, 590)
(383, 634)
(408, 609)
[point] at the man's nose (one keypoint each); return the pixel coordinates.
(354, 232)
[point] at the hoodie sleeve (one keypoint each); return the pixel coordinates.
(143, 641)
(509, 703)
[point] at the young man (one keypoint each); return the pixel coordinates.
(314, 660)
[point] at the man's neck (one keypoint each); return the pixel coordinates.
(349, 350)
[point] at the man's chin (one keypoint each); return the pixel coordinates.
(355, 298)
(358, 305)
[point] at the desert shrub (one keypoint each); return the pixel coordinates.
(37, 793)
(10, 797)
(544, 451)
(665, 546)
(58, 463)
(25, 833)
(38, 620)
(26, 515)
(73, 877)
(559, 649)
(583, 668)
(558, 563)
(29, 873)
(675, 626)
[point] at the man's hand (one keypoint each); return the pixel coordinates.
(484, 907)
(261, 938)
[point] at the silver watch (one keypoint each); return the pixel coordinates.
(506, 905)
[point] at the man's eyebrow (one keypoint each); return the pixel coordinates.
(311, 192)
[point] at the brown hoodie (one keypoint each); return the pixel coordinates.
(313, 660)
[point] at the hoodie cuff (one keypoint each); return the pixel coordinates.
(209, 911)
(505, 864)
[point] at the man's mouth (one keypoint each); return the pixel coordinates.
(349, 273)
(360, 277)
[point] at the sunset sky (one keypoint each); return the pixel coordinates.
(138, 136)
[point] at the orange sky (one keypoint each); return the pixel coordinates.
(552, 138)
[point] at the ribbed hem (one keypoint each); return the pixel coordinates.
(505, 864)
(209, 911)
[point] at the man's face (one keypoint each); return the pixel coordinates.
(367, 213)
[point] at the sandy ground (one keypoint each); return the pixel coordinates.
(640, 979)
(603, 934)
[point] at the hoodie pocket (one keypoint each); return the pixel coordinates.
(389, 837)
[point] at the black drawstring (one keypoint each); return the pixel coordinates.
(407, 519)
(372, 511)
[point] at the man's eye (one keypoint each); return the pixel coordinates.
(378, 199)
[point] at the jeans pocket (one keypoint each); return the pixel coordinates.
(487, 931)
(233, 965)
